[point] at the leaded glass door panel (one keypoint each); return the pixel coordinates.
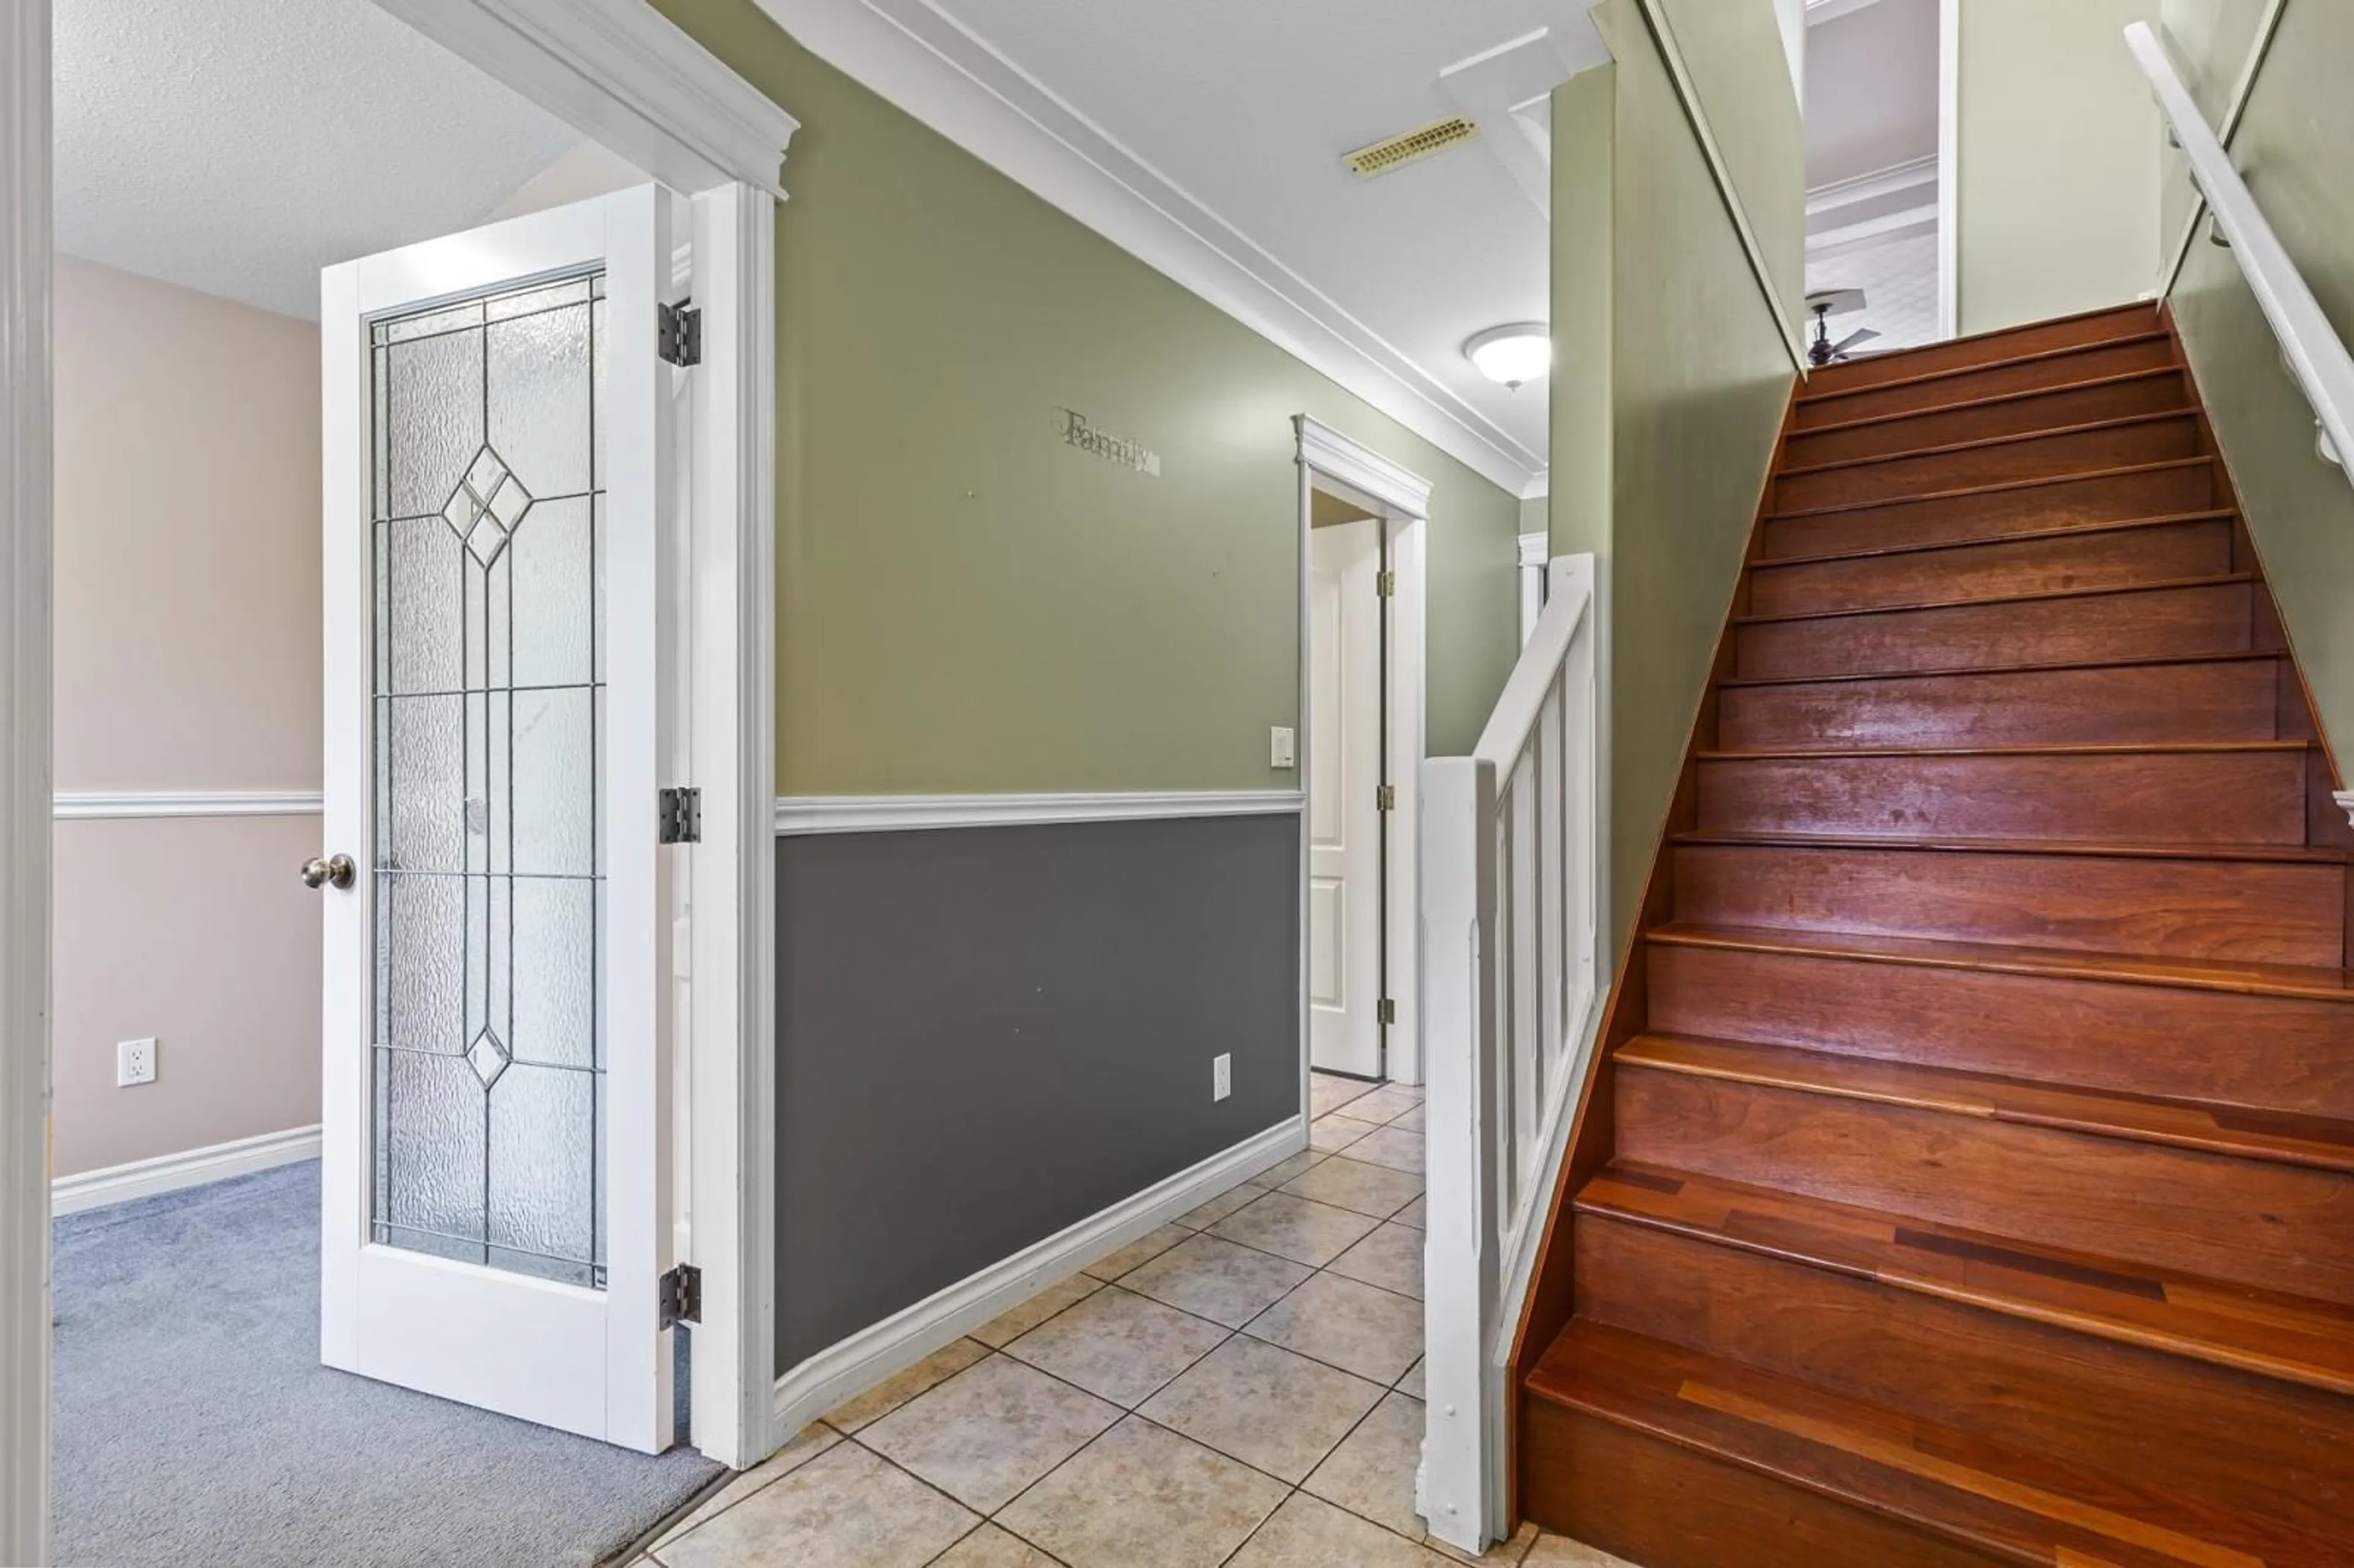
(495, 422)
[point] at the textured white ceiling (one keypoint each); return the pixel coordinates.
(238, 146)
(1246, 108)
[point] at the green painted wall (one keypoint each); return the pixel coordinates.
(1698, 377)
(1584, 163)
(2058, 158)
(2292, 148)
(966, 603)
(1734, 53)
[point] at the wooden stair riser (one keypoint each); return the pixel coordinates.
(1663, 1505)
(2176, 797)
(2122, 557)
(2145, 623)
(2249, 911)
(2086, 1400)
(2253, 1223)
(2172, 490)
(2117, 704)
(2265, 1053)
(2037, 338)
(2125, 445)
(2016, 414)
(2096, 363)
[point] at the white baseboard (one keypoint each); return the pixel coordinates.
(846, 1370)
(171, 1172)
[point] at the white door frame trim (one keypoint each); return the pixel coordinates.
(625, 76)
(1949, 168)
(1355, 473)
(24, 780)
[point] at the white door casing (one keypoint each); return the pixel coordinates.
(1344, 818)
(567, 1355)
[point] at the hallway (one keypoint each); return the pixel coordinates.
(1241, 1387)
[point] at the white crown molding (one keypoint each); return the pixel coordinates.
(859, 1362)
(1538, 487)
(1910, 174)
(916, 57)
(1830, 242)
(799, 815)
(93, 806)
(623, 74)
(171, 1172)
(1394, 488)
(1821, 11)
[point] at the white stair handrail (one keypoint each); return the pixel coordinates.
(1513, 977)
(2316, 356)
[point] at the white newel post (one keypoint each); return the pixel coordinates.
(25, 779)
(1463, 1442)
(1513, 979)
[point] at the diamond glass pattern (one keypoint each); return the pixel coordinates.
(488, 1060)
(488, 1057)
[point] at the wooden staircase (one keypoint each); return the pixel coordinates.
(1968, 1176)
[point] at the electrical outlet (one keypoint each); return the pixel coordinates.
(134, 1063)
(1222, 1077)
(1282, 748)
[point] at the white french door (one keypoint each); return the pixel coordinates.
(497, 454)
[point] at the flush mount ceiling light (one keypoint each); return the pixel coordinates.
(1511, 355)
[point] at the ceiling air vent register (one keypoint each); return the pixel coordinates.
(1369, 162)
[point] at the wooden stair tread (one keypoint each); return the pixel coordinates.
(1992, 399)
(1962, 490)
(2008, 536)
(2290, 1338)
(2052, 748)
(1951, 449)
(2221, 656)
(1813, 393)
(2224, 579)
(2281, 1137)
(2014, 1505)
(2199, 974)
(2293, 854)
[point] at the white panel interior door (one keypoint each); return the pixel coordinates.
(1344, 824)
(496, 445)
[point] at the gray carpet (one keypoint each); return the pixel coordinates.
(196, 1427)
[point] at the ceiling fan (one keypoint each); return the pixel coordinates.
(1826, 303)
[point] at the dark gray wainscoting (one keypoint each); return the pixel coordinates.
(988, 1035)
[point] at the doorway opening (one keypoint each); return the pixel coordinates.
(1362, 525)
(1881, 169)
(382, 474)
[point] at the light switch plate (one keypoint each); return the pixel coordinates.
(1282, 748)
(1222, 1077)
(134, 1063)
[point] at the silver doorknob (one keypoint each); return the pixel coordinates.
(335, 869)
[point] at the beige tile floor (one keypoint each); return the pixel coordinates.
(1242, 1387)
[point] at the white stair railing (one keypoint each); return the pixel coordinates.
(1513, 979)
(2310, 347)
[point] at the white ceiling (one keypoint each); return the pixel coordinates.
(1208, 136)
(1871, 88)
(238, 146)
